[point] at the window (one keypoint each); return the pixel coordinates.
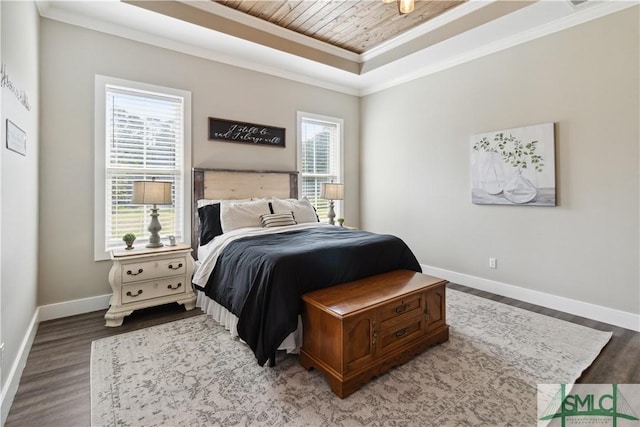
(142, 132)
(319, 157)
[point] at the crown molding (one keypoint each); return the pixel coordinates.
(266, 26)
(584, 14)
(272, 62)
(180, 11)
(83, 21)
(449, 16)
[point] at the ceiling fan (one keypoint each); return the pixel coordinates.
(404, 6)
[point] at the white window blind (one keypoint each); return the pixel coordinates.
(143, 137)
(320, 156)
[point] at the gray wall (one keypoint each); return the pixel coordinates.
(19, 181)
(415, 156)
(70, 58)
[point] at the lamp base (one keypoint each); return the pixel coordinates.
(331, 214)
(154, 227)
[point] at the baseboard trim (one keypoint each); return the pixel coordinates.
(611, 316)
(85, 305)
(13, 379)
(71, 308)
(43, 313)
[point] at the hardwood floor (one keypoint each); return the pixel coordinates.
(55, 385)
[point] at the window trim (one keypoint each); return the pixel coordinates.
(101, 82)
(300, 115)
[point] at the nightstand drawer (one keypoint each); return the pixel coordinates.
(147, 277)
(153, 289)
(139, 271)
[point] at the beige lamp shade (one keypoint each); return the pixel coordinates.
(332, 191)
(151, 193)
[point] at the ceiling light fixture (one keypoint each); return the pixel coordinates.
(406, 6)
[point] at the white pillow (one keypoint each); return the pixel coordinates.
(302, 209)
(234, 215)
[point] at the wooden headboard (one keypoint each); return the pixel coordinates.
(219, 184)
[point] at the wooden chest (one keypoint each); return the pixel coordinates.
(358, 330)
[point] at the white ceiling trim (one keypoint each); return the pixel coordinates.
(249, 20)
(597, 10)
(206, 44)
(266, 26)
(437, 22)
(131, 22)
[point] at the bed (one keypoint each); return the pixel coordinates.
(263, 248)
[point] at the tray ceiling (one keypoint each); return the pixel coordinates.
(356, 36)
(466, 30)
(353, 25)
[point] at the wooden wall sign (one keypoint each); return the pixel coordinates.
(247, 133)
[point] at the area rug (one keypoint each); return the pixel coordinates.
(192, 373)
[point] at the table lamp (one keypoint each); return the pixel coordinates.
(332, 191)
(152, 193)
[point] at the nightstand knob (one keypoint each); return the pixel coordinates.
(129, 294)
(131, 273)
(175, 268)
(172, 288)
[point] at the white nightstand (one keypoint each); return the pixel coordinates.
(147, 277)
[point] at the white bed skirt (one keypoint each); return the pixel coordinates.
(291, 343)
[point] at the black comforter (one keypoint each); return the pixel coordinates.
(261, 279)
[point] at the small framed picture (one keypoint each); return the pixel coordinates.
(16, 138)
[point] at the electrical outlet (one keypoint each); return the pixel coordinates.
(492, 263)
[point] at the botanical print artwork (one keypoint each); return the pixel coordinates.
(514, 167)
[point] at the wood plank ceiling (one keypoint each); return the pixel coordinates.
(354, 25)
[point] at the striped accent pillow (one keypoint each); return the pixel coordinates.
(277, 220)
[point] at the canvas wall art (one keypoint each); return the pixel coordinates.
(514, 167)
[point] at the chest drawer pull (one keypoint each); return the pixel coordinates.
(401, 308)
(131, 273)
(172, 288)
(171, 267)
(129, 294)
(401, 333)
